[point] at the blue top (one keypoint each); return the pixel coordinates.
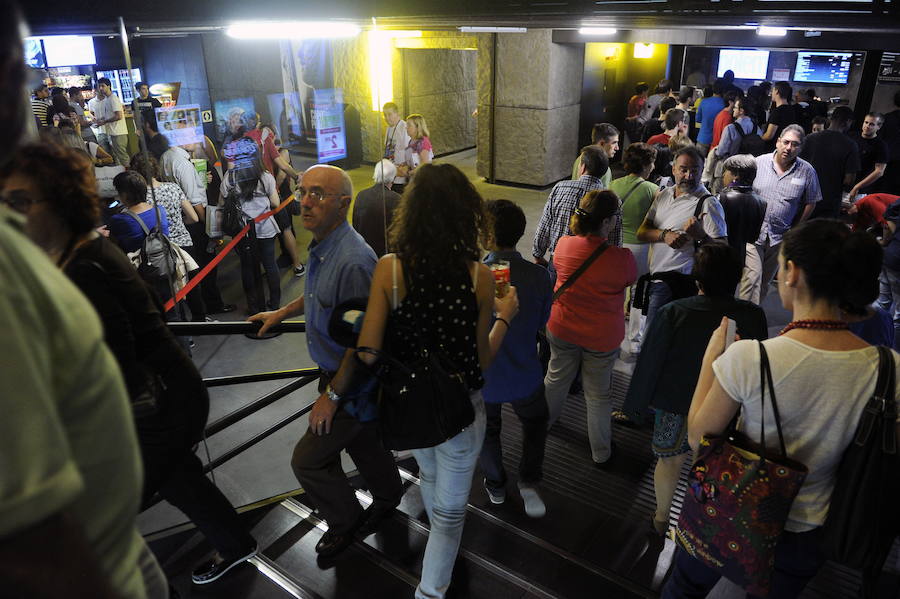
(878, 329)
(340, 268)
(706, 116)
(516, 371)
(128, 232)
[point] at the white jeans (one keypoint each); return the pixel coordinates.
(445, 475)
(632, 342)
(596, 379)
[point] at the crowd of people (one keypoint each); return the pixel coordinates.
(647, 267)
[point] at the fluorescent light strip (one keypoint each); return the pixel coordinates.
(771, 31)
(291, 30)
(597, 31)
(493, 29)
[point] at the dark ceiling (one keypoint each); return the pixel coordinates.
(100, 16)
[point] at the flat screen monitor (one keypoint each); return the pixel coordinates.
(746, 64)
(68, 50)
(34, 53)
(823, 67)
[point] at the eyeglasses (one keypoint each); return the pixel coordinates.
(317, 194)
(17, 199)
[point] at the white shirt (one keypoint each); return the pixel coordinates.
(93, 108)
(105, 109)
(669, 212)
(176, 166)
(396, 139)
(820, 395)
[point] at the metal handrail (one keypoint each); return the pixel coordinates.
(220, 381)
(195, 329)
(258, 404)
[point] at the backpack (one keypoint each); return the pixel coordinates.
(233, 219)
(159, 256)
(751, 143)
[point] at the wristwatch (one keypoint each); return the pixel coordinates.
(332, 395)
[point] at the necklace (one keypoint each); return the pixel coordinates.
(817, 324)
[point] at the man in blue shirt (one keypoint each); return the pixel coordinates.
(516, 375)
(340, 269)
(706, 116)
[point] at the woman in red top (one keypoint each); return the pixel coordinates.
(587, 323)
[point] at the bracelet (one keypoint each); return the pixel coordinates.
(662, 235)
(504, 321)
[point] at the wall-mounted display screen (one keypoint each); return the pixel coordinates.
(67, 50)
(34, 53)
(746, 64)
(823, 67)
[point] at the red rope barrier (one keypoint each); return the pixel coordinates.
(215, 261)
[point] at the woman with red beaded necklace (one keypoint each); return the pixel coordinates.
(823, 377)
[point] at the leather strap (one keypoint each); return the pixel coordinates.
(584, 266)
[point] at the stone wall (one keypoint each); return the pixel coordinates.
(351, 74)
(538, 100)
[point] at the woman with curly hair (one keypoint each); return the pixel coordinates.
(56, 191)
(434, 284)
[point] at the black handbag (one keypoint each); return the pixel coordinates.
(863, 519)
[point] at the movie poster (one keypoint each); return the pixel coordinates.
(232, 114)
(181, 125)
(287, 119)
(306, 65)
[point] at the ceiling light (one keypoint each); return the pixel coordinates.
(812, 33)
(771, 31)
(643, 50)
(493, 29)
(597, 31)
(291, 29)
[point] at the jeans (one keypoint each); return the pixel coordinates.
(119, 145)
(252, 252)
(797, 560)
(533, 414)
(632, 342)
(660, 295)
(445, 473)
(317, 465)
(565, 360)
(209, 286)
(889, 297)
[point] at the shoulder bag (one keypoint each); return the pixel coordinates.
(863, 518)
(738, 499)
(424, 401)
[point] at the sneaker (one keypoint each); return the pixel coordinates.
(534, 505)
(299, 271)
(216, 568)
(497, 496)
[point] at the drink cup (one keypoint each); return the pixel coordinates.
(500, 270)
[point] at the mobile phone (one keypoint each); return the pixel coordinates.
(730, 333)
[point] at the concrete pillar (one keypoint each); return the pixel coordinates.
(538, 100)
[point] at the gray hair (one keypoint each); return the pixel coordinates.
(385, 171)
(796, 129)
(742, 166)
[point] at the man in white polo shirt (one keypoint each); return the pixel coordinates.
(111, 116)
(396, 139)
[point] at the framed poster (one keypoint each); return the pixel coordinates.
(331, 135)
(181, 125)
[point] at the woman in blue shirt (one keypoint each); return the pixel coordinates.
(123, 227)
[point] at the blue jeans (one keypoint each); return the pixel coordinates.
(660, 295)
(889, 297)
(445, 473)
(797, 560)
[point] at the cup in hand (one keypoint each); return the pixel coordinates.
(500, 270)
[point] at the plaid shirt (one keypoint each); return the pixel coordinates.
(558, 211)
(785, 195)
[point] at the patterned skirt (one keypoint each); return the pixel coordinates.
(670, 434)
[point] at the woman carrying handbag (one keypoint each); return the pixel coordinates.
(822, 377)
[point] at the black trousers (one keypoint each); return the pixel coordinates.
(317, 465)
(533, 414)
(209, 287)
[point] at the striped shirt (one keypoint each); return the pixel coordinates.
(785, 195)
(40, 108)
(554, 223)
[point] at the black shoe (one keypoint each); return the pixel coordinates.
(224, 309)
(215, 568)
(372, 518)
(332, 544)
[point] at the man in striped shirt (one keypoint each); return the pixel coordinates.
(563, 200)
(40, 105)
(790, 188)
